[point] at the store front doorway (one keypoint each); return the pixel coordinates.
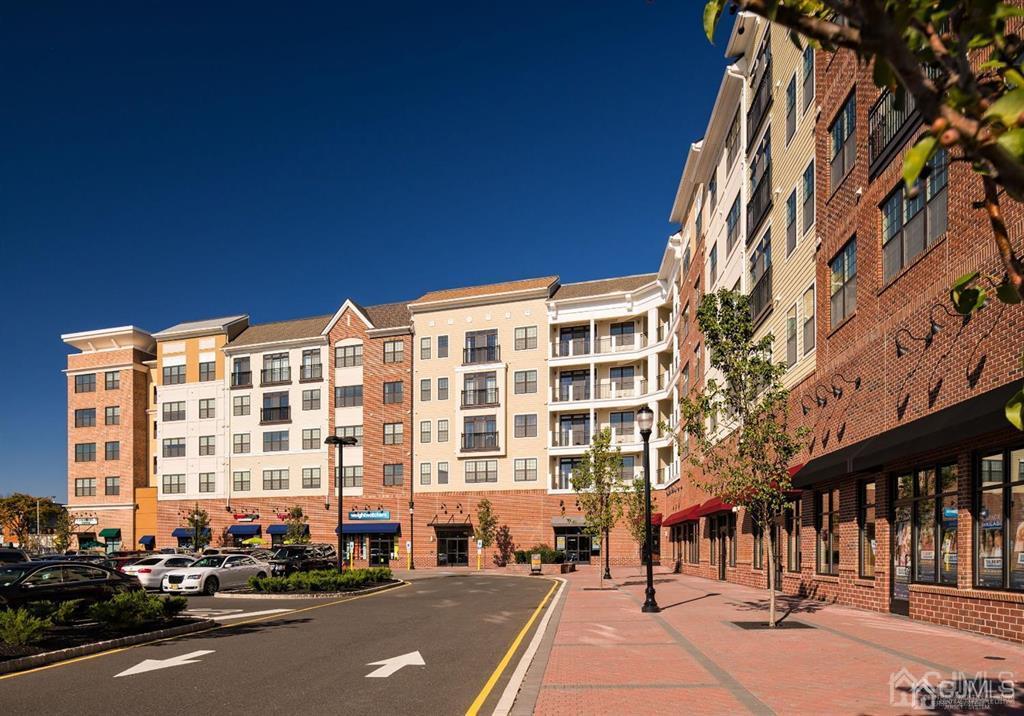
(452, 548)
(381, 549)
(575, 543)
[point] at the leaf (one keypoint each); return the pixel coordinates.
(882, 74)
(794, 37)
(1004, 11)
(712, 11)
(1008, 294)
(1014, 77)
(966, 299)
(1013, 142)
(1015, 410)
(917, 156)
(1007, 108)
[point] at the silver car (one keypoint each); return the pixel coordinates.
(210, 574)
(150, 571)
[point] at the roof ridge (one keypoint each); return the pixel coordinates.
(611, 278)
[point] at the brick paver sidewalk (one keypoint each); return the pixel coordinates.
(608, 658)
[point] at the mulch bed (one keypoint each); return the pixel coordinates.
(66, 637)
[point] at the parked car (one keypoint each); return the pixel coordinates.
(60, 582)
(150, 571)
(210, 574)
(299, 558)
(12, 554)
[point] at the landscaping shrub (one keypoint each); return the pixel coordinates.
(174, 606)
(18, 627)
(321, 580)
(130, 610)
(547, 555)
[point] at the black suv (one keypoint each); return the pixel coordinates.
(299, 558)
(10, 555)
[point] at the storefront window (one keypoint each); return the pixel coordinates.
(828, 531)
(793, 517)
(693, 546)
(866, 527)
(999, 521)
(925, 522)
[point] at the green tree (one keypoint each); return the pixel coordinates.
(19, 513)
(745, 461)
(960, 62)
(198, 520)
(635, 507)
(599, 490)
(63, 531)
(298, 532)
(486, 523)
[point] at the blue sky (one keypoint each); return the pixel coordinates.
(166, 161)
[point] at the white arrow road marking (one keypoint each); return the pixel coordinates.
(154, 664)
(390, 666)
(224, 617)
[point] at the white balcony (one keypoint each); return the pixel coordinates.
(605, 345)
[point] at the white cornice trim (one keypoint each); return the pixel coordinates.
(385, 332)
(522, 294)
(349, 304)
(262, 347)
(105, 368)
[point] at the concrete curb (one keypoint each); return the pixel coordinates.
(307, 595)
(52, 657)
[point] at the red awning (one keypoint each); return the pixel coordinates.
(656, 519)
(682, 516)
(795, 469)
(711, 506)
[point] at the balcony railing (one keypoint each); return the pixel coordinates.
(241, 379)
(623, 437)
(480, 441)
(282, 414)
(760, 203)
(665, 475)
(624, 388)
(481, 354)
(760, 104)
(479, 397)
(275, 376)
(761, 296)
(567, 348)
(561, 481)
(621, 344)
(576, 437)
(889, 126)
(311, 372)
(569, 393)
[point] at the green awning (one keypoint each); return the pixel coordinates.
(110, 533)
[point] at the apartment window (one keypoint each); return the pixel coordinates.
(347, 396)
(111, 486)
(425, 431)
(174, 374)
(207, 408)
(808, 327)
(207, 371)
(275, 479)
(442, 389)
(442, 431)
(627, 468)
(275, 441)
(310, 478)
(713, 263)
(793, 517)
(351, 431)
(622, 424)
(174, 484)
(760, 267)
(240, 443)
(844, 142)
(910, 225)
(112, 380)
(808, 194)
(442, 346)
(206, 482)
(241, 373)
(425, 348)
(174, 411)
(867, 544)
(442, 473)
(791, 223)
(311, 399)
(207, 445)
(348, 356)
(240, 405)
(352, 476)
(241, 481)
(713, 188)
(85, 487)
(174, 447)
(85, 418)
(424, 473)
(732, 141)
(525, 469)
(998, 522)
(526, 338)
(791, 351)
(394, 351)
(481, 471)
(311, 438)
(791, 108)
(425, 389)
(827, 503)
(393, 392)
(112, 450)
(732, 224)
(393, 475)
(525, 381)
(526, 426)
(85, 383)
(393, 433)
(698, 221)
(843, 270)
(808, 76)
(276, 408)
(312, 369)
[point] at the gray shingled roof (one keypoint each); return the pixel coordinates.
(603, 286)
(210, 324)
(282, 331)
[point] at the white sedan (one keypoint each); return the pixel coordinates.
(213, 573)
(151, 570)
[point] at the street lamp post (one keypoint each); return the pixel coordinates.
(645, 421)
(340, 443)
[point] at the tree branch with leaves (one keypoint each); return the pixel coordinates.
(597, 482)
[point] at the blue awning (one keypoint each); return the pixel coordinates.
(283, 529)
(370, 528)
(188, 532)
(244, 530)
(147, 540)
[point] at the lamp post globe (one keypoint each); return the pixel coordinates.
(645, 421)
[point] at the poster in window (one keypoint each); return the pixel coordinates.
(901, 555)
(990, 536)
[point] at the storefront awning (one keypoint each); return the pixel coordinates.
(246, 530)
(568, 522)
(188, 532)
(656, 519)
(711, 507)
(147, 540)
(370, 528)
(283, 529)
(110, 533)
(677, 518)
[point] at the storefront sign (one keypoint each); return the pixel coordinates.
(87, 521)
(370, 515)
(246, 517)
(535, 563)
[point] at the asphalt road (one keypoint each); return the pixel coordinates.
(313, 659)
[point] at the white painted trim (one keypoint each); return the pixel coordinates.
(349, 303)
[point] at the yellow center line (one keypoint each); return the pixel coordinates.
(232, 625)
(486, 691)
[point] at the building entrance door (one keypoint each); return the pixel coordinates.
(381, 547)
(723, 546)
(453, 549)
(575, 543)
(899, 597)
